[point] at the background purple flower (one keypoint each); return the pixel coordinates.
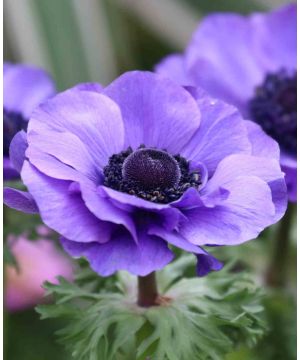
(92, 160)
(24, 88)
(38, 261)
(249, 62)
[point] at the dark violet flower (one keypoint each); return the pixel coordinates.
(146, 164)
(24, 88)
(249, 62)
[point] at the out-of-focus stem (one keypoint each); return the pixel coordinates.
(147, 290)
(277, 272)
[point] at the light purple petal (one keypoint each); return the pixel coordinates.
(190, 199)
(122, 253)
(131, 200)
(17, 150)
(222, 132)
(175, 239)
(289, 167)
(89, 86)
(19, 200)
(173, 67)
(221, 57)
(241, 217)
(24, 88)
(276, 41)
(262, 144)
(156, 112)
(63, 147)
(266, 169)
(50, 166)
(93, 118)
(105, 210)
(61, 210)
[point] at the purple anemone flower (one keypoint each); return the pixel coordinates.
(146, 164)
(249, 62)
(24, 88)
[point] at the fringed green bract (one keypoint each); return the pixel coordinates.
(205, 319)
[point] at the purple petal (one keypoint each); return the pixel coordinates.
(262, 144)
(289, 167)
(17, 150)
(131, 200)
(19, 200)
(89, 86)
(174, 238)
(63, 211)
(93, 118)
(24, 88)
(50, 166)
(104, 210)
(156, 111)
(173, 67)
(205, 261)
(161, 213)
(222, 132)
(266, 169)
(64, 148)
(9, 172)
(122, 253)
(190, 199)
(276, 42)
(241, 217)
(220, 59)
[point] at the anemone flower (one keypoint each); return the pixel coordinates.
(37, 261)
(250, 62)
(24, 88)
(146, 164)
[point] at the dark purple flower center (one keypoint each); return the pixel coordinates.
(150, 168)
(274, 107)
(151, 174)
(12, 123)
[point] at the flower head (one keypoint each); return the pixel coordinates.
(24, 88)
(249, 62)
(146, 164)
(38, 261)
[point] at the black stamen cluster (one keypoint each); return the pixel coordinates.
(274, 107)
(114, 178)
(12, 123)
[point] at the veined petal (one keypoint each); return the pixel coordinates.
(20, 200)
(241, 217)
(122, 253)
(222, 132)
(64, 211)
(156, 111)
(93, 118)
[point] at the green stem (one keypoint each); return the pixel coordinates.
(147, 290)
(277, 272)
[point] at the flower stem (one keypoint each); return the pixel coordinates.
(277, 271)
(147, 290)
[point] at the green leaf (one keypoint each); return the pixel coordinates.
(206, 318)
